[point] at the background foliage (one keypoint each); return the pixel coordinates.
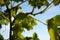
(23, 20)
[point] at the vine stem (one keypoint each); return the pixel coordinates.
(10, 22)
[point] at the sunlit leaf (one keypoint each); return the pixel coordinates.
(51, 33)
(15, 10)
(1, 2)
(52, 27)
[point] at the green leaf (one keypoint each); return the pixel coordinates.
(1, 37)
(2, 21)
(50, 23)
(35, 37)
(57, 20)
(20, 16)
(17, 36)
(7, 2)
(18, 0)
(13, 12)
(18, 26)
(1, 2)
(52, 27)
(56, 2)
(51, 33)
(46, 3)
(27, 38)
(1, 12)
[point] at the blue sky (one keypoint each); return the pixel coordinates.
(40, 28)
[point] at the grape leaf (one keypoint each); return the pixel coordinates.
(56, 2)
(1, 2)
(57, 20)
(1, 12)
(35, 37)
(52, 27)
